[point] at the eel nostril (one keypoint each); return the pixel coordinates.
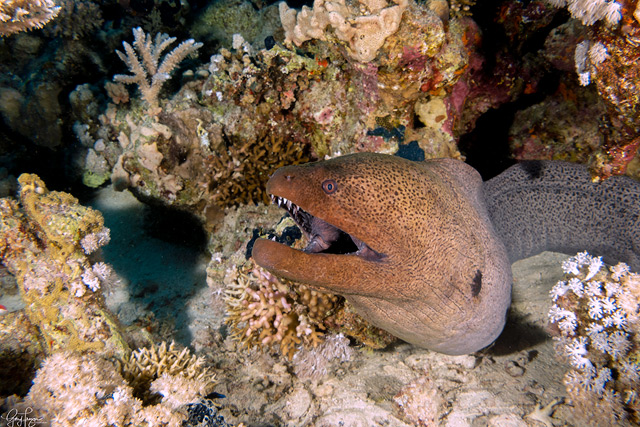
(288, 177)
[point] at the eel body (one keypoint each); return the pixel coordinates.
(546, 205)
(424, 249)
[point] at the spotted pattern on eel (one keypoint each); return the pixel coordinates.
(423, 250)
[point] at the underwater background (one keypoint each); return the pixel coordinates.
(136, 140)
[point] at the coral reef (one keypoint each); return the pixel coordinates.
(604, 54)
(46, 240)
(214, 143)
(615, 69)
(322, 316)
(264, 310)
(399, 52)
(70, 389)
(24, 15)
(148, 72)
(597, 317)
(566, 126)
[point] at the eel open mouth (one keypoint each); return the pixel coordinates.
(324, 237)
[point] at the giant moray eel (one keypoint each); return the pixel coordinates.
(424, 249)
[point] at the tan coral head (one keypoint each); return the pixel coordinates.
(409, 244)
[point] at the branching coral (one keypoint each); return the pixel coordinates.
(242, 171)
(147, 73)
(263, 310)
(174, 368)
(214, 143)
(44, 242)
(205, 155)
(597, 315)
(24, 15)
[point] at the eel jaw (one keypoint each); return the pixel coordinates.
(324, 237)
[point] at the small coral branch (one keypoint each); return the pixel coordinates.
(25, 15)
(147, 74)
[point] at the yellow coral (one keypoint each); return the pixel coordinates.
(44, 242)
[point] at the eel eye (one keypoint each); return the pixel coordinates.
(329, 186)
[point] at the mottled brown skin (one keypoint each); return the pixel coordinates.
(444, 281)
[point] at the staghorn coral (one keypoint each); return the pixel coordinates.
(148, 72)
(264, 311)
(25, 15)
(165, 368)
(597, 315)
(45, 239)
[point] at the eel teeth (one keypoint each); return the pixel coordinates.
(299, 215)
(285, 203)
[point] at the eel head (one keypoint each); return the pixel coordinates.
(334, 204)
(409, 244)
